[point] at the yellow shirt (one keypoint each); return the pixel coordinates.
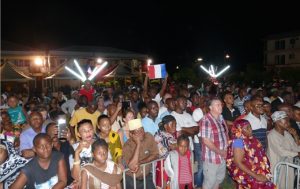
(83, 114)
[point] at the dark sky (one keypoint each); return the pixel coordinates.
(170, 32)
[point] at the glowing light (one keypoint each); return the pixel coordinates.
(38, 61)
(74, 73)
(97, 70)
(80, 70)
(212, 71)
(200, 59)
(177, 67)
(227, 56)
(222, 71)
(82, 76)
(99, 60)
(149, 62)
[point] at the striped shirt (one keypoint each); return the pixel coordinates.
(216, 131)
(259, 128)
(185, 172)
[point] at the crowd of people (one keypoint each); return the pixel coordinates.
(199, 133)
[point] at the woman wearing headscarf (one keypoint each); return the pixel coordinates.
(247, 162)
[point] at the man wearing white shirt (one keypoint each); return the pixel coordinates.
(257, 121)
(185, 122)
(69, 105)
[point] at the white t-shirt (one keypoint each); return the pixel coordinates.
(185, 120)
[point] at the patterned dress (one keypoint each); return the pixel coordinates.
(255, 160)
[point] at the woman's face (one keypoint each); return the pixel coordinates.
(86, 132)
(247, 131)
(171, 127)
(129, 116)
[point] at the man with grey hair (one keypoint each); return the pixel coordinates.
(214, 134)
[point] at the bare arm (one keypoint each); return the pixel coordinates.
(133, 163)
(212, 147)
(149, 158)
(190, 131)
(84, 178)
(62, 175)
(28, 153)
(115, 115)
(164, 86)
(145, 91)
(238, 155)
(20, 182)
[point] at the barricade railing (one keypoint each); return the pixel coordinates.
(143, 166)
(277, 176)
(161, 160)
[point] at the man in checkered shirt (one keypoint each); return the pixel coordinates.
(214, 134)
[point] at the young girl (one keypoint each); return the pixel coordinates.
(101, 173)
(124, 131)
(111, 137)
(16, 113)
(178, 165)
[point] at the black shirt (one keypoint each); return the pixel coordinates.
(230, 115)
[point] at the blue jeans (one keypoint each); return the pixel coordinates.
(199, 175)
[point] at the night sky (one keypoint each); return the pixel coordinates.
(175, 33)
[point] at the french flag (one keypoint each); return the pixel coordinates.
(157, 71)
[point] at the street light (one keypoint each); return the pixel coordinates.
(227, 56)
(99, 60)
(199, 59)
(38, 61)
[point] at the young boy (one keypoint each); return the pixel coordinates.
(83, 149)
(46, 170)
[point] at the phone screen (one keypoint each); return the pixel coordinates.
(62, 127)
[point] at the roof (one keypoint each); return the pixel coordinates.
(62, 73)
(95, 51)
(121, 71)
(9, 72)
(13, 49)
(282, 35)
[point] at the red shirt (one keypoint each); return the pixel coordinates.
(88, 93)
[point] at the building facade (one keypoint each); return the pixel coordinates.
(282, 51)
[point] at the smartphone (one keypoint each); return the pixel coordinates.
(125, 105)
(62, 127)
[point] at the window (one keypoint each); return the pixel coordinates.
(279, 44)
(292, 56)
(280, 59)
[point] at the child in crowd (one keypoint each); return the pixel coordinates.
(112, 138)
(46, 170)
(124, 131)
(101, 173)
(16, 113)
(83, 148)
(143, 111)
(178, 165)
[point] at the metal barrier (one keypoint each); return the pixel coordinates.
(153, 172)
(277, 168)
